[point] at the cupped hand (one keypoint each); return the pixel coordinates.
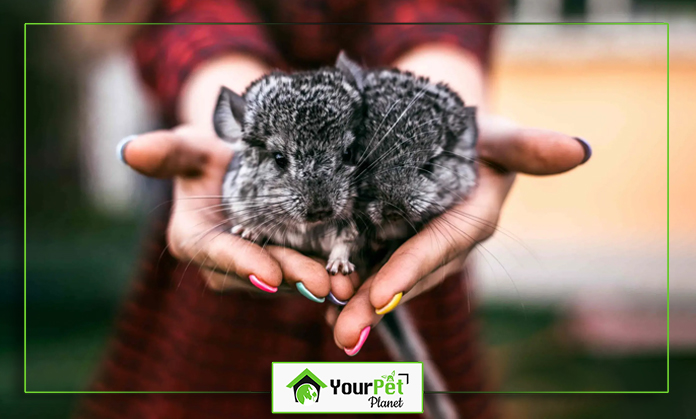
(441, 247)
(196, 160)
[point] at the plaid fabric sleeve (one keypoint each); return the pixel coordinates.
(385, 43)
(167, 54)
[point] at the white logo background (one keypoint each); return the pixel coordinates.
(350, 372)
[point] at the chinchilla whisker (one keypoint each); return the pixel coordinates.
(253, 215)
(200, 235)
(416, 97)
(203, 234)
(507, 233)
(214, 209)
(285, 235)
(362, 216)
(461, 156)
(225, 208)
(278, 226)
(481, 246)
(386, 114)
(201, 247)
(450, 240)
(258, 200)
(476, 159)
(503, 231)
(257, 207)
(222, 208)
(194, 257)
(187, 198)
(449, 236)
(171, 201)
(282, 223)
(403, 215)
(246, 217)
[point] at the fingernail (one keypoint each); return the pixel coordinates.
(335, 300)
(304, 291)
(261, 285)
(361, 341)
(390, 305)
(121, 147)
(586, 147)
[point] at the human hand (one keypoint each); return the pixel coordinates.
(197, 231)
(441, 247)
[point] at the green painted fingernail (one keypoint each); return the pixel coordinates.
(304, 291)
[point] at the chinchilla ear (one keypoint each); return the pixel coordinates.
(470, 135)
(228, 118)
(351, 69)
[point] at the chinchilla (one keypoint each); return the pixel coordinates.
(290, 182)
(417, 150)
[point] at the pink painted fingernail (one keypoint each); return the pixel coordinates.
(361, 341)
(261, 285)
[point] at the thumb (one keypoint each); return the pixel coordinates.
(412, 261)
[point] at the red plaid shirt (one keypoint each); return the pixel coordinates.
(167, 54)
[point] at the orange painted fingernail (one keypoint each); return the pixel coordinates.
(390, 305)
(261, 285)
(361, 341)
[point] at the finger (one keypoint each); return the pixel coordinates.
(355, 321)
(331, 315)
(221, 282)
(307, 275)
(449, 235)
(529, 150)
(165, 154)
(223, 252)
(342, 287)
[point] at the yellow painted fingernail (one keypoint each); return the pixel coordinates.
(390, 305)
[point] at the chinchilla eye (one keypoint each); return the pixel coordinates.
(428, 167)
(280, 160)
(348, 156)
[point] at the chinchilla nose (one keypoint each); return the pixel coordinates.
(319, 209)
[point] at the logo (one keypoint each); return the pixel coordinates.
(347, 387)
(306, 387)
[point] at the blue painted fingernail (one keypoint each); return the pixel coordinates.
(304, 291)
(121, 147)
(335, 300)
(586, 147)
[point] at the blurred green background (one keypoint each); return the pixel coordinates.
(81, 257)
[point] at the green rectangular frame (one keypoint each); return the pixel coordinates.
(286, 23)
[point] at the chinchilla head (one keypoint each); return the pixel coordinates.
(417, 149)
(298, 132)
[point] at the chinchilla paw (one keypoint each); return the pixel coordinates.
(246, 233)
(340, 265)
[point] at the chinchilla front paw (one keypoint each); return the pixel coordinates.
(247, 233)
(340, 265)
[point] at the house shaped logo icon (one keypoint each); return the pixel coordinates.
(306, 387)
